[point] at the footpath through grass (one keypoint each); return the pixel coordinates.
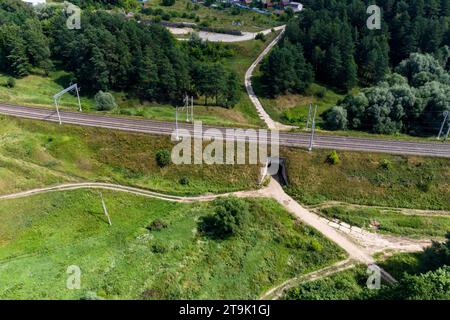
(369, 179)
(35, 154)
(41, 236)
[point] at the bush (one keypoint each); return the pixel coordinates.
(321, 93)
(333, 158)
(386, 164)
(10, 82)
(168, 3)
(260, 36)
(156, 225)
(163, 157)
(184, 181)
(229, 215)
(336, 118)
(159, 248)
(104, 101)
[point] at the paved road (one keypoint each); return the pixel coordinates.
(435, 149)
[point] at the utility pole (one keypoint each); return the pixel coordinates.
(445, 114)
(78, 97)
(176, 123)
(186, 99)
(57, 98)
(448, 132)
(192, 109)
(105, 210)
(57, 110)
(309, 116)
(313, 128)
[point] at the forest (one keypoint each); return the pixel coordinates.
(406, 62)
(111, 52)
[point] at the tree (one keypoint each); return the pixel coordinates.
(13, 57)
(229, 215)
(433, 285)
(104, 101)
(334, 65)
(167, 3)
(336, 118)
(37, 47)
(230, 94)
(162, 157)
(286, 70)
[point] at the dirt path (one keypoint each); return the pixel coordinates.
(132, 190)
(405, 211)
(271, 124)
(221, 37)
(277, 292)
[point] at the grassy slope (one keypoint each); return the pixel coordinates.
(361, 179)
(293, 108)
(41, 236)
(392, 222)
(34, 154)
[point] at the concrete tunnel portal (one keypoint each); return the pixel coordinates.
(281, 174)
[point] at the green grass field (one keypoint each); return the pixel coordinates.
(293, 108)
(216, 18)
(391, 222)
(41, 236)
(35, 154)
(370, 179)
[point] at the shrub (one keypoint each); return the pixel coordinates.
(156, 225)
(104, 101)
(168, 3)
(184, 181)
(10, 82)
(386, 164)
(321, 93)
(260, 36)
(163, 157)
(336, 118)
(159, 248)
(229, 215)
(333, 158)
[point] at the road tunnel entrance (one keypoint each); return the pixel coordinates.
(281, 174)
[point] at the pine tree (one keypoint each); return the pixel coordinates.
(334, 64)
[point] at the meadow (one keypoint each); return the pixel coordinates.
(372, 179)
(41, 236)
(244, 20)
(35, 154)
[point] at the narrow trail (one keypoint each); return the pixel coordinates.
(278, 291)
(405, 211)
(220, 37)
(271, 124)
